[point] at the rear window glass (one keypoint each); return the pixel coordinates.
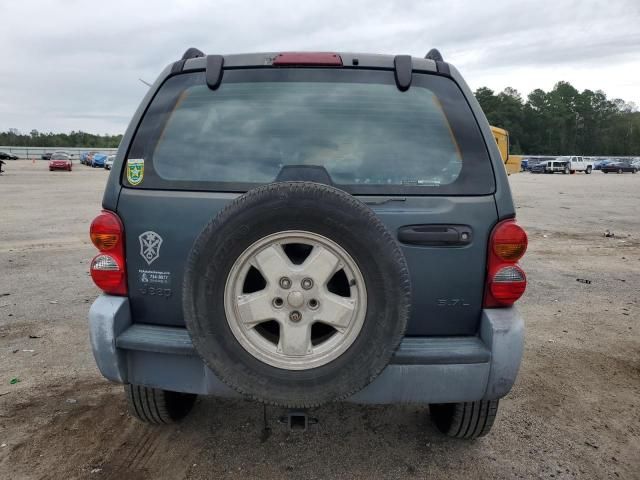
(368, 136)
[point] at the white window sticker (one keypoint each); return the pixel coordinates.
(150, 243)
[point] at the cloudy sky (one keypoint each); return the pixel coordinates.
(75, 64)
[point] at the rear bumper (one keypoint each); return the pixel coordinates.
(423, 370)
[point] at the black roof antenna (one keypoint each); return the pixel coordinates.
(435, 55)
(192, 53)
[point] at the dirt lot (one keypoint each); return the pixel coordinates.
(574, 412)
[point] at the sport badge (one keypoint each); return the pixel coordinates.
(135, 170)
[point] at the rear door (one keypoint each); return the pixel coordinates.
(444, 240)
(417, 158)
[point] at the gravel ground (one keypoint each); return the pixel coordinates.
(573, 413)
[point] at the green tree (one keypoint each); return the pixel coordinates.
(14, 138)
(564, 121)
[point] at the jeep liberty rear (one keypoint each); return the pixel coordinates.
(300, 228)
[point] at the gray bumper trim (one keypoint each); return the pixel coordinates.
(502, 330)
(423, 370)
(109, 316)
(412, 351)
(152, 338)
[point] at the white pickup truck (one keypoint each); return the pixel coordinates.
(577, 164)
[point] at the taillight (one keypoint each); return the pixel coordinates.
(506, 282)
(108, 269)
(509, 241)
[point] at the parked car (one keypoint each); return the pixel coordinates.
(600, 163)
(558, 166)
(577, 164)
(539, 167)
(97, 161)
(46, 156)
(8, 156)
(60, 161)
(108, 164)
(89, 158)
(620, 167)
(271, 271)
(551, 166)
(524, 164)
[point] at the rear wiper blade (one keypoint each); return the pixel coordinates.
(421, 183)
(382, 201)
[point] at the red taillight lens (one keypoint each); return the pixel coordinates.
(108, 267)
(106, 231)
(108, 275)
(509, 241)
(506, 282)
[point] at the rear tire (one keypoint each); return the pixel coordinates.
(635, 170)
(465, 419)
(572, 172)
(588, 170)
(156, 406)
(619, 170)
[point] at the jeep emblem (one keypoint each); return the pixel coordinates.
(150, 243)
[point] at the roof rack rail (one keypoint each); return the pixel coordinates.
(435, 55)
(192, 53)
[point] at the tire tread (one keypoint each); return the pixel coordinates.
(465, 419)
(152, 405)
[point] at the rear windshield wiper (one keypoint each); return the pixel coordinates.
(382, 201)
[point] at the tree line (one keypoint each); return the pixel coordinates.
(14, 138)
(564, 121)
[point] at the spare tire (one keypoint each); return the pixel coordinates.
(296, 294)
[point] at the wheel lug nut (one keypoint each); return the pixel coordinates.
(295, 316)
(285, 283)
(278, 302)
(313, 304)
(306, 283)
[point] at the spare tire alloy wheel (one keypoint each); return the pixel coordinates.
(296, 294)
(297, 298)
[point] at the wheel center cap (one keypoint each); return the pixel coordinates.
(295, 299)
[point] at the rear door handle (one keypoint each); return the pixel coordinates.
(436, 235)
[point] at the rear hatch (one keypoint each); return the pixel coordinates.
(417, 157)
